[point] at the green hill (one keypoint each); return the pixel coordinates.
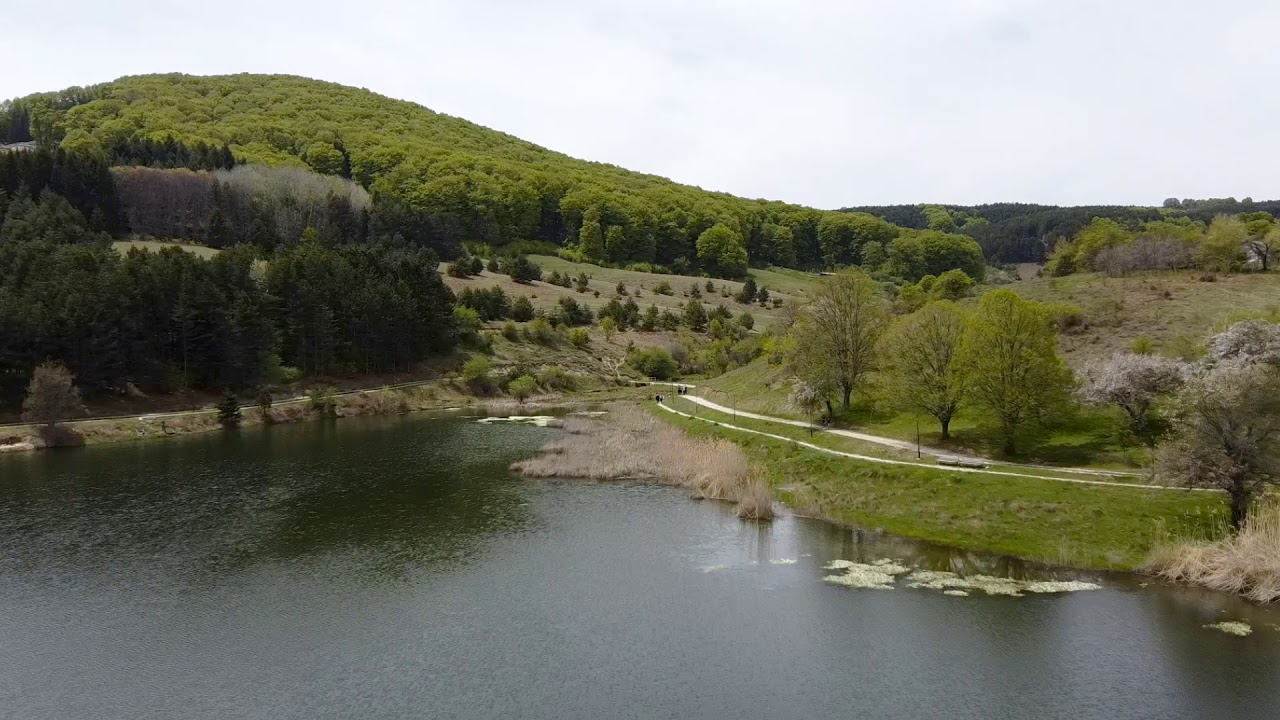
(475, 184)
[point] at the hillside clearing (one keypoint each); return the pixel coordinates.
(1176, 310)
(124, 246)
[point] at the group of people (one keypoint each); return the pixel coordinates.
(680, 390)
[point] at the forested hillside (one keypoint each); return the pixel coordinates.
(1022, 232)
(450, 180)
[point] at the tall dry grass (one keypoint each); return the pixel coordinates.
(629, 444)
(1246, 563)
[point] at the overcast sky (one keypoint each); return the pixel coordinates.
(823, 103)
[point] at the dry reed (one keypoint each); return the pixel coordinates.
(629, 444)
(1246, 563)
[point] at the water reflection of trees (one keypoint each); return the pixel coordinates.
(368, 496)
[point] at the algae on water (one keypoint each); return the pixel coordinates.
(1232, 627)
(883, 574)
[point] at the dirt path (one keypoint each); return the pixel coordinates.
(905, 463)
(899, 444)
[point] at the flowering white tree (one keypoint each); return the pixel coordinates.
(1247, 341)
(1132, 382)
(808, 398)
(1227, 433)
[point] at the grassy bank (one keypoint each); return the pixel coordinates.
(1086, 439)
(376, 401)
(1085, 526)
(1247, 563)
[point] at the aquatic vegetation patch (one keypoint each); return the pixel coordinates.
(539, 420)
(879, 575)
(1232, 627)
(882, 574)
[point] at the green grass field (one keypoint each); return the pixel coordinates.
(1062, 523)
(1085, 440)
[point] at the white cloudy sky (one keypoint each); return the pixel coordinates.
(825, 103)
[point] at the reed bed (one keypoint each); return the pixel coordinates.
(1246, 563)
(629, 444)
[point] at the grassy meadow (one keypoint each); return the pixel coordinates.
(1084, 526)
(1176, 310)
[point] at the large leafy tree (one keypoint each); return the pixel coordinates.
(1010, 359)
(835, 339)
(721, 253)
(921, 351)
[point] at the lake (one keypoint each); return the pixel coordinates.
(392, 568)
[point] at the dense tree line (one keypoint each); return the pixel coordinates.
(263, 206)
(82, 180)
(1020, 232)
(170, 319)
(1227, 243)
(453, 181)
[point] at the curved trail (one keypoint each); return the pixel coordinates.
(895, 443)
(906, 463)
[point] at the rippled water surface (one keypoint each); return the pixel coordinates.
(391, 568)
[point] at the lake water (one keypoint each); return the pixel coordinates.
(392, 568)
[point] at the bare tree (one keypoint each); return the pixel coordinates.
(52, 396)
(836, 339)
(1227, 435)
(1132, 383)
(1264, 246)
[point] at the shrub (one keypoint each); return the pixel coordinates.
(323, 401)
(229, 415)
(51, 395)
(510, 331)
(265, 401)
(654, 362)
(649, 322)
(579, 337)
(541, 331)
(952, 285)
(523, 387)
(554, 377)
(523, 270)
(467, 321)
(1143, 345)
(571, 313)
(476, 265)
(475, 374)
(489, 303)
(746, 321)
(695, 291)
(749, 292)
(493, 265)
(695, 317)
(621, 288)
(459, 269)
(663, 288)
(522, 309)
(582, 283)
